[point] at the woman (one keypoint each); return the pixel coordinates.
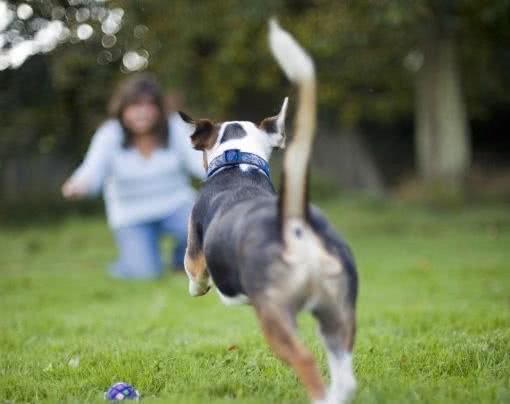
(140, 159)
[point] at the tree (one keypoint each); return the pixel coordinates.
(429, 36)
(442, 138)
(48, 51)
(441, 61)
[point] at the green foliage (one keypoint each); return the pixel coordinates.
(432, 313)
(216, 54)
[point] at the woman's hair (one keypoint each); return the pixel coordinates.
(128, 93)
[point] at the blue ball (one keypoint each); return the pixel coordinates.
(122, 391)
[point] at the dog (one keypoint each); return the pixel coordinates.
(274, 251)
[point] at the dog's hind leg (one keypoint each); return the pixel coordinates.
(337, 327)
(279, 329)
(195, 264)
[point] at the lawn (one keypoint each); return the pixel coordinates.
(433, 316)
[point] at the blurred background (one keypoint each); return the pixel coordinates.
(412, 164)
(414, 96)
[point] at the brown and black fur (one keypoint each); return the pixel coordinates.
(279, 252)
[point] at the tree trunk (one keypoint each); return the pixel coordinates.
(343, 157)
(442, 140)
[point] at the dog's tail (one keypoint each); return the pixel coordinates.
(299, 68)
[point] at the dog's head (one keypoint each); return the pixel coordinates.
(214, 138)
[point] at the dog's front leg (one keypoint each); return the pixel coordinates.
(195, 264)
(196, 269)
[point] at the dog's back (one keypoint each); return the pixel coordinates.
(242, 241)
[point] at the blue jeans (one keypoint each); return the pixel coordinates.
(139, 251)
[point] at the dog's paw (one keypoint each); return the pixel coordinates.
(198, 288)
(340, 394)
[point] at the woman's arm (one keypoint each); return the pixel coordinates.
(180, 133)
(89, 177)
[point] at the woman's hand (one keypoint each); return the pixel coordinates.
(74, 188)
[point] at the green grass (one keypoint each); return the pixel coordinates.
(433, 317)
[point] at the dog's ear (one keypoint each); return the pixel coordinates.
(275, 126)
(205, 133)
(186, 118)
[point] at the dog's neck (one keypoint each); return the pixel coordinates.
(236, 157)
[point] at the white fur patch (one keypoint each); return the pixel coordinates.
(314, 269)
(233, 301)
(291, 57)
(343, 383)
(198, 288)
(305, 249)
(256, 142)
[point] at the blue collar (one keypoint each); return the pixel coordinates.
(234, 157)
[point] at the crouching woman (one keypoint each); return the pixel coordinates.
(141, 159)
